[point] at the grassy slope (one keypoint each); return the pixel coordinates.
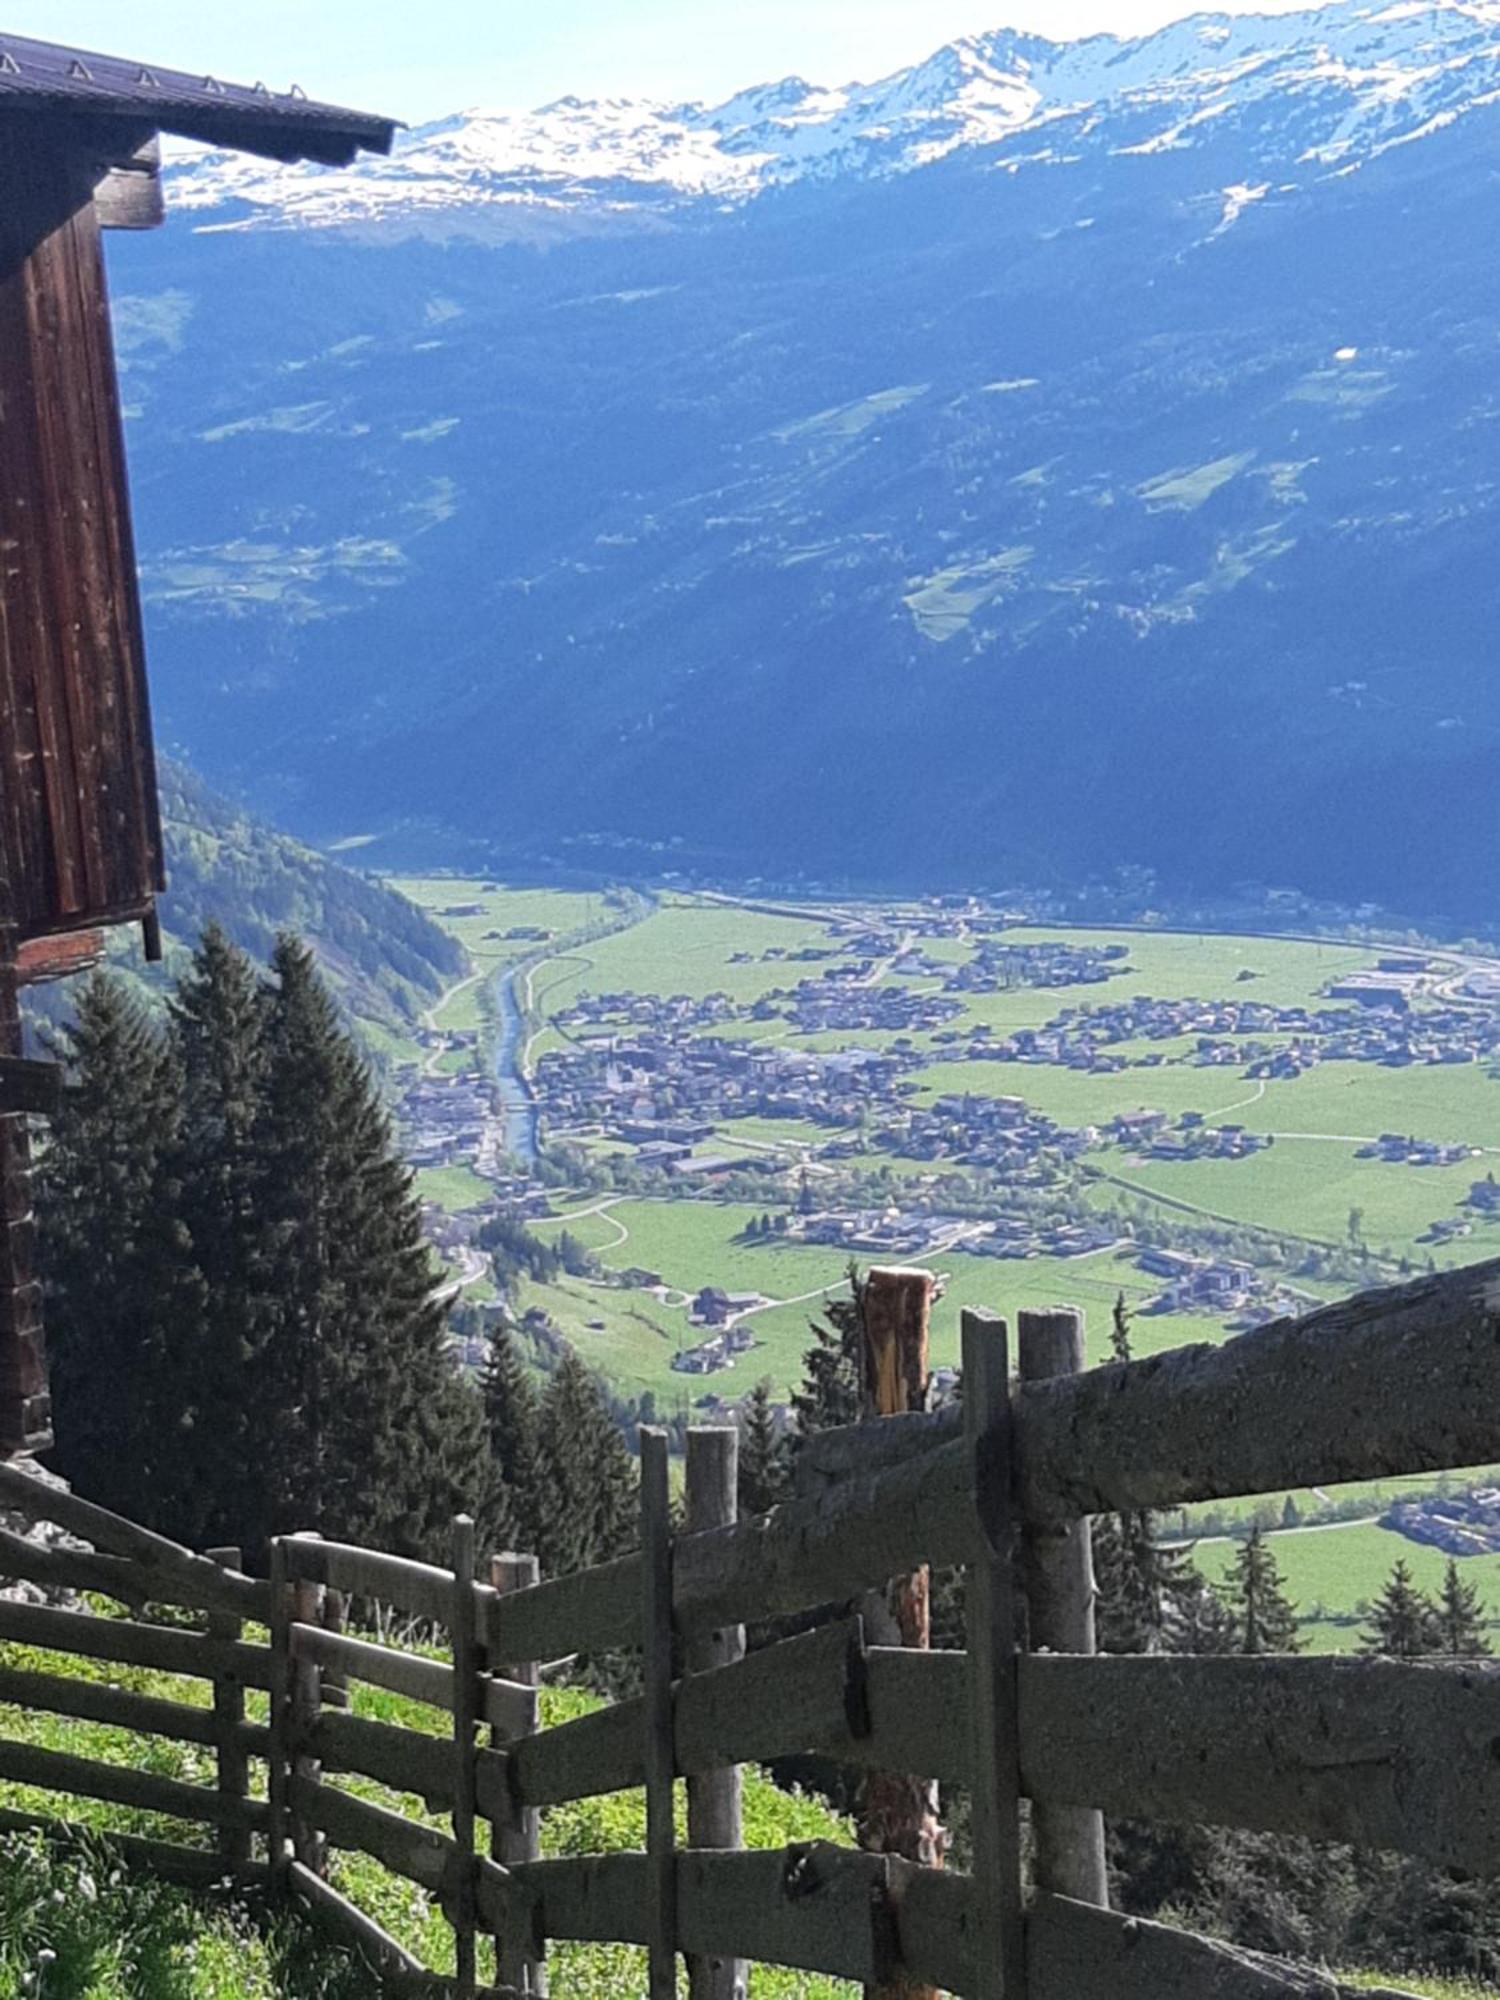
(773, 1819)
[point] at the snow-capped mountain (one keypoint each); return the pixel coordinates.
(1108, 433)
(1346, 82)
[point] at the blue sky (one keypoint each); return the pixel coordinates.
(419, 61)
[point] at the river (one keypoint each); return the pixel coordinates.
(515, 1091)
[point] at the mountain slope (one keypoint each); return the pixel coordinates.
(1054, 457)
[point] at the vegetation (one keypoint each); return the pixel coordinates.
(241, 1301)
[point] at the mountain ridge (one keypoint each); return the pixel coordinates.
(1135, 509)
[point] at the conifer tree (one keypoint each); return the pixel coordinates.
(512, 1412)
(1207, 1622)
(121, 1287)
(762, 1474)
(829, 1396)
(590, 1503)
(379, 1439)
(1460, 1621)
(1265, 1618)
(1403, 1620)
(218, 1034)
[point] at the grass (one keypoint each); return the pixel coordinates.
(76, 1925)
(453, 1188)
(502, 908)
(213, 1949)
(689, 948)
(1331, 1574)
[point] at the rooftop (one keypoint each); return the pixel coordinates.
(46, 77)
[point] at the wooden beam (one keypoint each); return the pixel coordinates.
(134, 1645)
(714, 1798)
(41, 959)
(129, 193)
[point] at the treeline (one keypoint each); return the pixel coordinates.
(245, 1319)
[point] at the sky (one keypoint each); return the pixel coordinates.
(417, 62)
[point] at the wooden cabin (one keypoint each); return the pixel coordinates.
(80, 829)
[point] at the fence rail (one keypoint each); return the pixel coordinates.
(1378, 1753)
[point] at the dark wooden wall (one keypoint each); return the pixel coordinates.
(80, 832)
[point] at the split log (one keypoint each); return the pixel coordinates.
(116, 1708)
(134, 1645)
(57, 1771)
(593, 1611)
(505, 1703)
(420, 1853)
(196, 1867)
(1074, 1948)
(403, 1759)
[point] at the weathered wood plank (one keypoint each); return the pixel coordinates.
(129, 196)
(420, 1853)
(515, 1827)
(1396, 1381)
(506, 1704)
(659, 1751)
(26, 1086)
(1380, 1753)
(279, 1756)
(467, 1663)
(134, 1645)
(825, 1549)
(117, 1708)
(58, 1771)
(715, 1816)
(404, 1759)
(1058, 1564)
(170, 1573)
(989, 1745)
(1076, 1948)
(421, 1590)
(345, 1921)
(593, 1611)
(231, 1737)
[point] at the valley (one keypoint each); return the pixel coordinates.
(737, 1099)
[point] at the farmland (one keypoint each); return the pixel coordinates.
(1020, 1108)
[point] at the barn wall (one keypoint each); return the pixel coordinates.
(79, 825)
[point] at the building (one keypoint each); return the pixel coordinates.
(80, 832)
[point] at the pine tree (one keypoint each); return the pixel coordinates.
(512, 1411)
(378, 1439)
(1404, 1623)
(1461, 1633)
(830, 1392)
(590, 1502)
(1208, 1624)
(218, 1034)
(121, 1287)
(762, 1476)
(1265, 1618)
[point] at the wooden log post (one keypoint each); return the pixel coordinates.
(995, 1781)
(466, 1707)
(900, 1815)
(278, 1779)
(715, 1800)
(1059, 1571)
(660, 1755)
(516, 1829)
(25, 1404)
(229, 1725)
(304, 1704)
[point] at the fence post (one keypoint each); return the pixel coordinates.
(990, 1602)
(901, 1811)
(466, 1665)
(278, 1769)
(304, 1700)
(516, 1835)
(1059, 1565)
(715, 1800)
(661, 1763)
(229, 1717)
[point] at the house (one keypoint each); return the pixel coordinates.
(80, 837)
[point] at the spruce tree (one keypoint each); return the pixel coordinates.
(218, 1034)
(762, 1474)
(1266, 1620)
(1404, 1623)
(512, 1411)
(1207, 1622)
(377, 1437)
(121, 1288)
(590, 1502)
(1460, 1621)
(830, 1394)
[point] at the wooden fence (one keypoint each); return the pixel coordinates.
(1378, 1753)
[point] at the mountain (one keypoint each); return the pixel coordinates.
(385, 959)
(1053, 457)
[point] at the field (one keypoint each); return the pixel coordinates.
(1361, 1220)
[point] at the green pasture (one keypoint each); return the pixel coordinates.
(689, 948)
(554, 910)
(453, 1188)
(1333, 1574)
